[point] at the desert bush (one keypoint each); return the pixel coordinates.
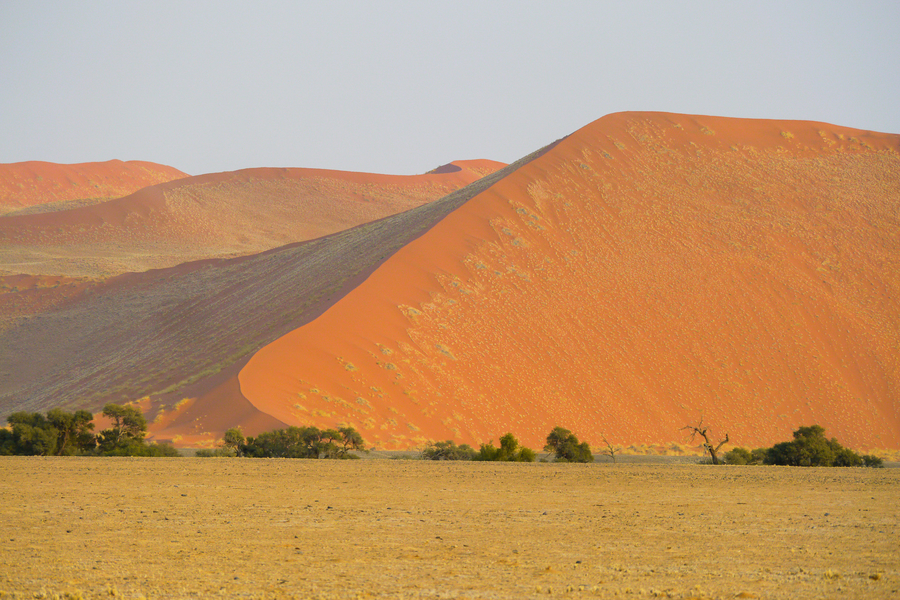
(738, 456)
(810, 448)
(6, 442)
(758, 456)
(872, 461)
(303, 442)
(447, 450)
(143, 449)
(566, 447)
(58, 433)
(509, 450)
(61, 433)
(216, 453)
(233, 440)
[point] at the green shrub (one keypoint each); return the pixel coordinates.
(738, 456)
(759, 455)
(216, 453)
(810, 448)
(303, 442)
(141, 448)
(448, 450)
(872, 461)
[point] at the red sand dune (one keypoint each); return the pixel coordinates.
(649, 269)
(33, 183)
(216, 215)
(644, 271)
(183, 329)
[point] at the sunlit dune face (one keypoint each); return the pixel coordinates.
(647, 270)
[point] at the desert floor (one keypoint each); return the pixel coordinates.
(182, 528)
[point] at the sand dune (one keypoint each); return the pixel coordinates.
(38, 184)
(179, 331)
(648, 270)
(213, 216)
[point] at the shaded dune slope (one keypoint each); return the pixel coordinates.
(649, 269)
(36, 183)
(214, 216)
(176, 331)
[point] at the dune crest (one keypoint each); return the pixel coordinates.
(649, 269)
(176, 332)
(35, 183)
(214, 216)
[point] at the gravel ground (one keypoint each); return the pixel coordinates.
(188, 528)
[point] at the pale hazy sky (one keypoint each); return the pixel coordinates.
(402, 87)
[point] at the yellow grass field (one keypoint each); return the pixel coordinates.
(197, 528)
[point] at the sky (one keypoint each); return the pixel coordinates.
(402, 87)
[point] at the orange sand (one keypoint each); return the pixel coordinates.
(649, 269)
(217, 215)
(32, 183)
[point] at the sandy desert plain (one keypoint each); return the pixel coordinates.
(189, 528)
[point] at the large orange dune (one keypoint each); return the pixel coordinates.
(175, 331)
(647, 271)
(33, 183)
(213, 216)
(644, 272)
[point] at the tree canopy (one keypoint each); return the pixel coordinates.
(565, 446)
(509, 451)
(809, 448)
(61, 433)
(299, 442)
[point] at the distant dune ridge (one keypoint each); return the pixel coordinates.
(36, 183)
(214, 216)
(646, 270)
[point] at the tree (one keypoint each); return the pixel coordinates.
(809, 448)
(32, 434)
(75, 431)
(703, 431)
(234, 439)
(302, 442)
(509, 451)
(350, 440)
(610, 451)
(128, 427)
(566, 447)
(58, 433)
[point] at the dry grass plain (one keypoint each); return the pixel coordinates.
(183, 528)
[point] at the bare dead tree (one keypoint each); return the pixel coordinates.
(703, 431)
(610, 450)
